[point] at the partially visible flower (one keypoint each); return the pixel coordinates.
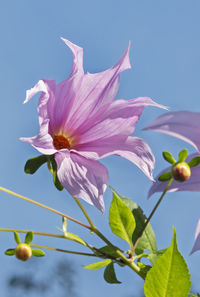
(196, 246)
(192, 184)
(80, 124)
(182, 124)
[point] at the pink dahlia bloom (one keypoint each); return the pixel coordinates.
(80, 123)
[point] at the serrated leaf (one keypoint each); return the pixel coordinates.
(29, 237)
(74, 237)
(33, 164)
(64, 224)
(168, 157)
(182, 155)
(98, 265)
(10, 252)
(38, 253)
(148, 239)
(55, 176)
(17, 238)
(109, 274)
(121, 219)
(169, 277)
(194, 162)
(165, 176)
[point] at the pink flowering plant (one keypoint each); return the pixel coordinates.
(80, 124)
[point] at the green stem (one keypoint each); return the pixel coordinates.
(151, 214)
(84, 212)
(44, 206)
(49, 166)
(61, 250)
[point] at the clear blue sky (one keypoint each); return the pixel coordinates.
(165, 58)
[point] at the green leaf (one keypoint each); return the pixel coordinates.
(194, 162)
(98, 265)
(38, 253)
(109, 275)
(169, 277)
(107, 250)
(154, 256)
(29, 237)
(143, 269)
(74, 237)
(10, 252)
(33, 164)
(17, 238)
(121, 219)
(192, 295)
(64, 224)
(182, 155)
(168, 157)
(55, 176)
(148, 239)
(165, 176)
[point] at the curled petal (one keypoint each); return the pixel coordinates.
(182, 124)
(192, 184)
(42, 142)
(82, 177)
(196, 246)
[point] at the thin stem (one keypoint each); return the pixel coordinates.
(44, 206)
(61, 250)
(84, 212)
(49, 167)
(151, 214)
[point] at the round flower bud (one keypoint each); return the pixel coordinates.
(23, 252)
(181, 172)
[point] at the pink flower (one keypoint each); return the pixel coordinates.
(80, 123)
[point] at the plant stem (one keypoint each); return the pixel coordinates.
(61, 250)
(84, 212)
(151, 214)
(44, 206)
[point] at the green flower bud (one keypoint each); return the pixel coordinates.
(23, 252)
(181, 171)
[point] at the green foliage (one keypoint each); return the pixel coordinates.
(194, 162)
(38, 253)
(64, 224)
(148, 239)
(169, 158)
(107, 250)
(33, 164)
(169, 277)
(55, 176)
(98, 265)
(121, 219)
(109, 274)
(17, 238)
(10, 252)
(182, 155)
(74, 237)
(143, 269)
(29, 237)
(165, 176)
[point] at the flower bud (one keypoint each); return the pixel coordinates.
(181, 172)
(23, 252)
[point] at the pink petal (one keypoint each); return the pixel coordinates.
(117, 118)
(42, 142)
(192, 184)
(182, 124)
(196, 246)
(82, 177)
(134, 149)
(96, 90)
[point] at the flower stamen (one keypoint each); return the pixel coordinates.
(61, 142)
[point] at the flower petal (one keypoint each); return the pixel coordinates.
(133, 149)
(192, 184)
(42, 142)
(182, 124)
(119, 117)
(196, 246)
(82, 177)
(96, 90)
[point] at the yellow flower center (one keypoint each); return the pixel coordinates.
(61, 142)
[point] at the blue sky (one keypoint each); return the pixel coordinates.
(165, 58)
